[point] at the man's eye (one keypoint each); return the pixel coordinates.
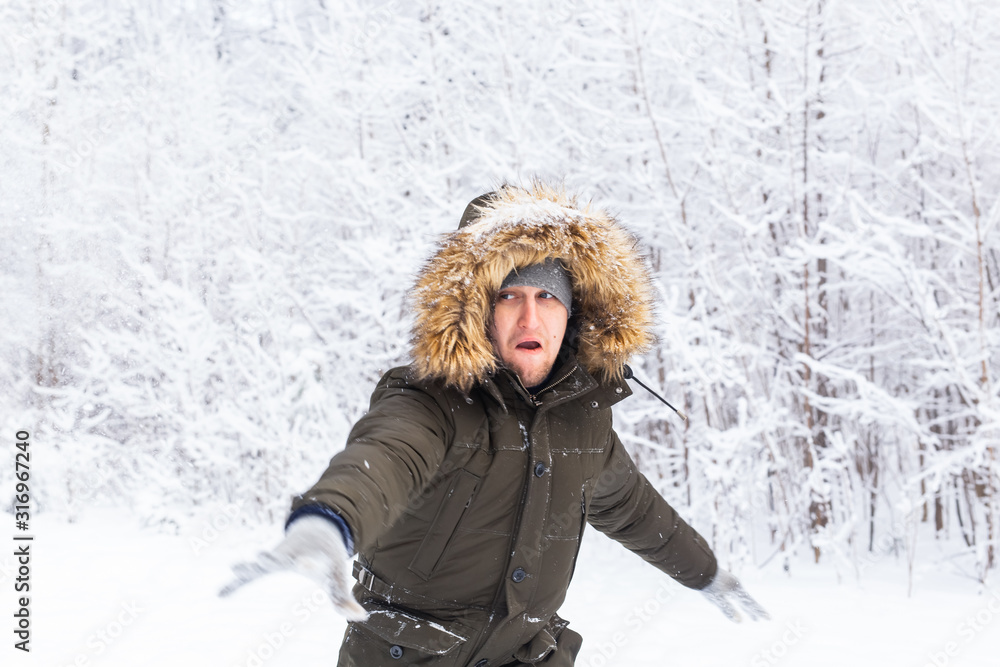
(546, 295)
(506, 296)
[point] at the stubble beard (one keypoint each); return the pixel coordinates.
(533, 376)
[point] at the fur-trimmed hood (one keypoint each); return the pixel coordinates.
(455, 292)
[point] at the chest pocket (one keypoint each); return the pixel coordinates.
(456, 500)
(465, 464)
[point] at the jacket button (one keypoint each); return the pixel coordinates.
(482, 663)
(396, 652)
(518, 575)
(594, 404)
(540, 469)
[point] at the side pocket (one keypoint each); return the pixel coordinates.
(391, 633)
(456, 500)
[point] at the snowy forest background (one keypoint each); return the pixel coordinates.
(212, 212)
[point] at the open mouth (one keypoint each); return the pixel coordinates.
(529, 345)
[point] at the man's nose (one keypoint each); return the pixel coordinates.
(529, 314)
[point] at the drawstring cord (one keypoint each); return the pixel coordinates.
(630, 376)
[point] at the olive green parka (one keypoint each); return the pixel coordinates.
(465, 495)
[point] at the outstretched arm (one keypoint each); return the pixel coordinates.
(627, 508)
(391, 455)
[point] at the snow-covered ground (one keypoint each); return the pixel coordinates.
(106, 591)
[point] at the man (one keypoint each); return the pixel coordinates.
(466, 487)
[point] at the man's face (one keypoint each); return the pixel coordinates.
(528, 328)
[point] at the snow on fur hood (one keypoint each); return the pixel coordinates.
(456, 289)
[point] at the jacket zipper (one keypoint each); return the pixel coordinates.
(533, 397)
(482, 639)
(480, 643)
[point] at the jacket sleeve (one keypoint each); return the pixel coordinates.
(391, 454)
(626, 507)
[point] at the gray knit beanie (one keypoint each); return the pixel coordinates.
(550, 276)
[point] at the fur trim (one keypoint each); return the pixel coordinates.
(456, 289)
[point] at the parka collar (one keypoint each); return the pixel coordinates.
(570, 381)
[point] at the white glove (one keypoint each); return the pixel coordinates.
(313, 547)
(726, 589)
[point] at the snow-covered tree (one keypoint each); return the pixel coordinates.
(211, 215)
